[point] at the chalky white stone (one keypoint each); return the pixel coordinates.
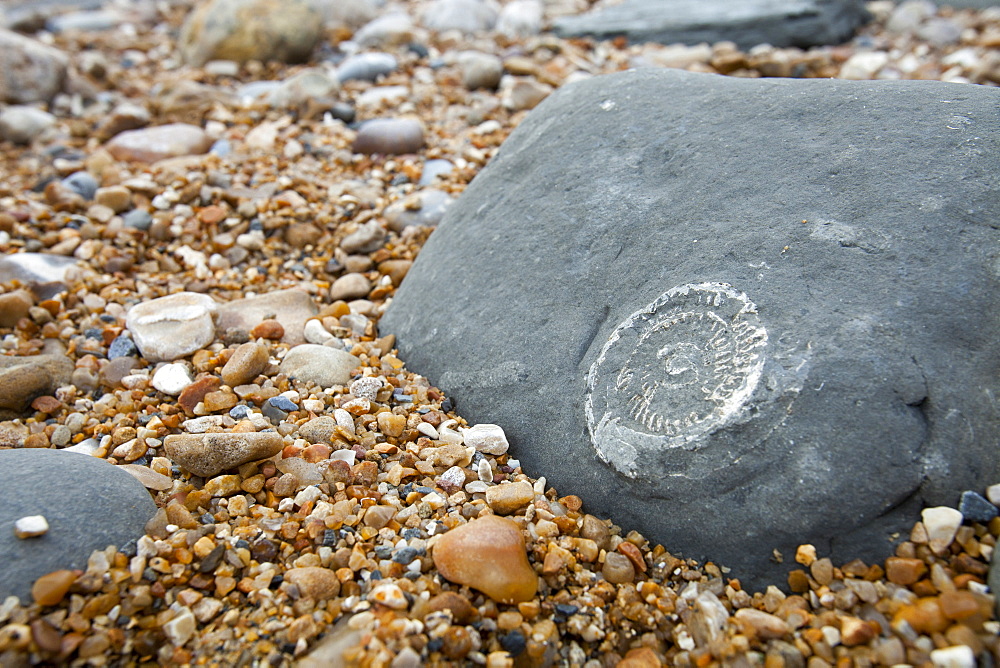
(172, 327)
(941, 523)
(677, 369)
(172, 379)
(31, 526)
(488, 438)
(958, 656)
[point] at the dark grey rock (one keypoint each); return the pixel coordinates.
(976, 508)
(88, 503)
(801, 23)
(636, 238)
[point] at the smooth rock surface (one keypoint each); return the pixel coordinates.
(159, 143)
(319, 364)
(210, 454)
(110, 507)
(242, 30)
(780, 23)
(291, 308)
(172, 327)
(34, 267)
(21, 124)
(682, 340)
(487, 554)
(29, 70)
(390, 136)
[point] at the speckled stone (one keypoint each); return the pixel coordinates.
(238, 30)
(109, 507)
(209, 454)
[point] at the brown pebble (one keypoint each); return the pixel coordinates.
(209, 454)
(194, 393)
(618, 568)
(314, 582)
(377, 517)
(597, 531)
(246, 363)
(396, 270)
(508, 498)
(488, 554)
(46, 404)
(958, 605)
(903, 571)
(761, 624)
(924, 616)
(46, 636)
(854, 631)
(634, 555)
(50, 589)
(268, 329)
(798, 581)
(641, 657)
(461, 610)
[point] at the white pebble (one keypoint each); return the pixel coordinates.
(941, 523)
(314, 332)
(959, 656)
(31, 526)
(180, 629)
(488, 438)
(485, 471)
(344, 419)
(345, 455)
(428, 430)
(310, 493)
(993, 494)
(172, 379)
(476, 487)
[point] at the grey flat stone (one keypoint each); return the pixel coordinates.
(736, 315)
(88, 503)
(780, 23)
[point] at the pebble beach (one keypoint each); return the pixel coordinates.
(195, 262)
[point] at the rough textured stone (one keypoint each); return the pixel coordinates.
(171, 327)
(24, 378)
(241, 30)
(761, 306)
(209, 454)
(291, 308)
(319, 364)
(109, 507)
(801, 23)
(29, 70)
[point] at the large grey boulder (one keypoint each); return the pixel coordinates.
(87, 502)
(801, 23)
(736, 315)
